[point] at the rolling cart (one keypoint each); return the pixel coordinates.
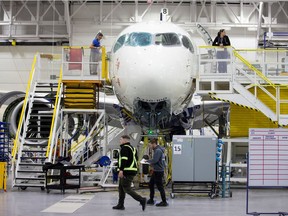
(62, 177)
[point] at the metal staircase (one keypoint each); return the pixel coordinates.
(60, 118)
(34, 136)
(80, 133)
(33, 133)
(254, 80)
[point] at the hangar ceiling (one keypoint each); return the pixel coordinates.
(53, 20)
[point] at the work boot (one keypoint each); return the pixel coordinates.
(162, 204)
(118, 207)
(143, 203)
(150, 202)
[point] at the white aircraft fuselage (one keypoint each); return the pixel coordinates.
(152, 69)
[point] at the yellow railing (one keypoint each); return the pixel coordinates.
(258, 72)
(104, 65)
(54, 113)
(250, 66)
(16, 140)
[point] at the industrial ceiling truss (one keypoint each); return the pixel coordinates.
(54, 20)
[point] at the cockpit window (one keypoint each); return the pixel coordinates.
(119, 43)
(187, 43)
(167, 39)
(139, 39)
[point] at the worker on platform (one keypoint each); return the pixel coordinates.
(95, 55)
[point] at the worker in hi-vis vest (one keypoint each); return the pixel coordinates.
(127, 167)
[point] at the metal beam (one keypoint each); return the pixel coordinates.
(230, 9)
(259, 20)
(101, 11)
(111, 12)
(146, 10)
(67, 17)
(175, 10)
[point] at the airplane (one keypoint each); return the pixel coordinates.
(153, 67)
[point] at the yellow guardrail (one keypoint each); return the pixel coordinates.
(54, 113)
(259, 73)
(104, 65)
(15, 146)
(214, 47)
(250, 66)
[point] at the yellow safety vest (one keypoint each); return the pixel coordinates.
(134, 165)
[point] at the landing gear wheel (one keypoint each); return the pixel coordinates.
(230, 194)
(23, 187)
(48, 191)
(172, 195)
(42, 188)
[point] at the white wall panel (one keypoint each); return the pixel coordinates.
(15, 65)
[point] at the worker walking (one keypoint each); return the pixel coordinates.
(127, 166)
(158, 166)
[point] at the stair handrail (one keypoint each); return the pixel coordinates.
(263, 77)
(21, 120)
(104, 58)
(54, 153)
(250, 66)
(57, 106)
(260, 86)
(80, 146)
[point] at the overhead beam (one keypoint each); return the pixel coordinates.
(67, 18)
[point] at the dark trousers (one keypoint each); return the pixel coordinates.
(157, 178)
(125, 187)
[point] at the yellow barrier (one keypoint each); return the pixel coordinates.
(3, 175)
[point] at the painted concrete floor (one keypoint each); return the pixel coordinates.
(33, 201)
